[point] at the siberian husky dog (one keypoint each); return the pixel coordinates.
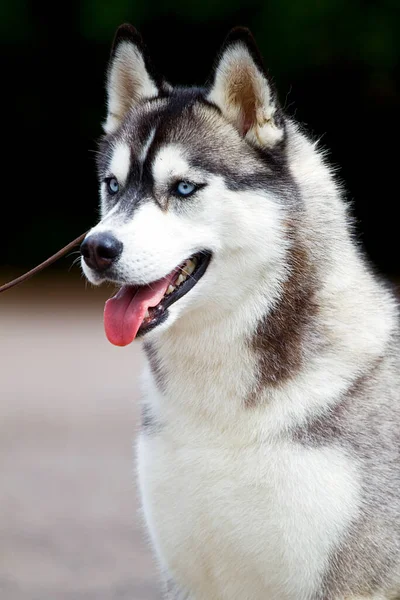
(269, 452)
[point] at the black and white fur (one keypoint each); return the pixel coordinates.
(269, 455)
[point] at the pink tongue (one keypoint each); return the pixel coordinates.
(124, 313)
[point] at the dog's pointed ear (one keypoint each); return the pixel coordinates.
(130, 77)
(241, 90)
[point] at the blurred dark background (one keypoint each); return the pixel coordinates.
(335, 62)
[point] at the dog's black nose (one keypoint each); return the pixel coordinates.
(100, 250)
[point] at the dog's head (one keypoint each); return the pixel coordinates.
(193, 186)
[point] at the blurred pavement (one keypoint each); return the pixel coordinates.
(70, 527)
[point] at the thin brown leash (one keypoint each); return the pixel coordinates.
(49, 261)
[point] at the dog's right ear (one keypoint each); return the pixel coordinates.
(130, 77)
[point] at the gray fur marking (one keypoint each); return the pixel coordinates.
(368, 557)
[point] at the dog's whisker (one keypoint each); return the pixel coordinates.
(74, 262)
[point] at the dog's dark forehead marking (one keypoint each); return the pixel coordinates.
(145, 130)
(186, 118)
(174, 119)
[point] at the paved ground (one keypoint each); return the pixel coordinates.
(70, 528)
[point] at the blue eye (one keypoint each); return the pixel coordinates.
(185, 188)
(112, 185)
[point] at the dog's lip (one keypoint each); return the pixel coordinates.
(203, 259)
(161, 310)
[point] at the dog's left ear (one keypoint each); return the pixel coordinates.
(130, 77)
(241, 90)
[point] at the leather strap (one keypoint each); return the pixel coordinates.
(43, 265)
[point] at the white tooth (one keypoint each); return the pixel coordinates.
(170, 289)
(190, 267)
(181, 279)
(146, 314)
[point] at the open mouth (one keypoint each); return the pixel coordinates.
(136, 309)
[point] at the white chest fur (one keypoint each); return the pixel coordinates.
(242, 522)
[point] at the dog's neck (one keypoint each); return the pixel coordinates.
(253, 375)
